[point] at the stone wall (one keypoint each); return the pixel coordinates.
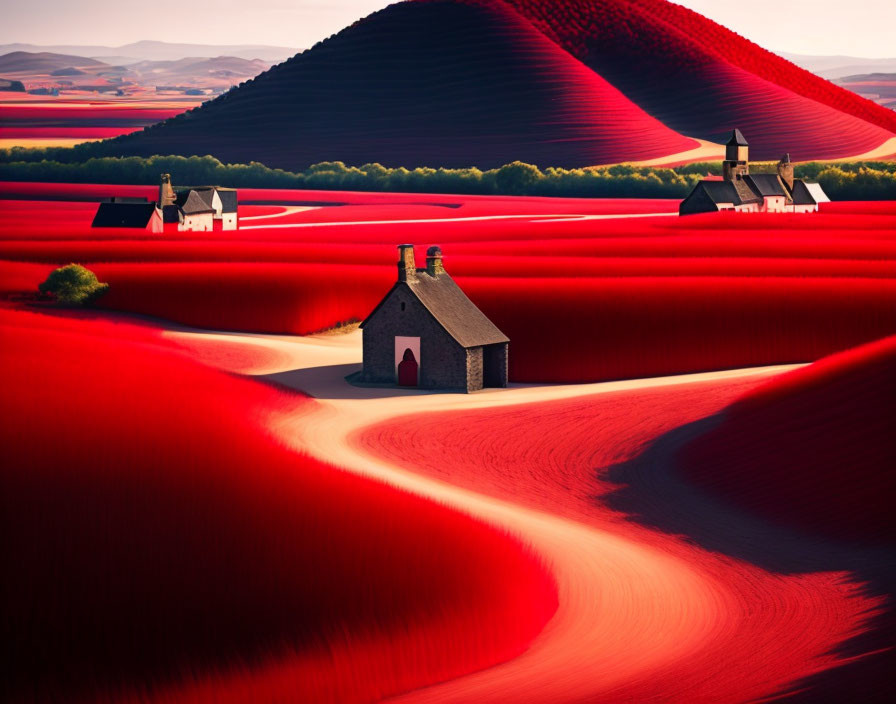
(474, 369)
(443, 362)
(494, 364)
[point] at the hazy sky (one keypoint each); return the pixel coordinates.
(850, 27)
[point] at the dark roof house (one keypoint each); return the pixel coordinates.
(427, 333)
(742, 191)
(115, 213)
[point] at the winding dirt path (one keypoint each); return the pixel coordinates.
(626, 608)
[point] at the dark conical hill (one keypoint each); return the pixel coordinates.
(444, 83)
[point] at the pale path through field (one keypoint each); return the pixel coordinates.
(625, 609)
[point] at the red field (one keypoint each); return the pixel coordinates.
(784, 610)
(585, 290)
(617, 297)
(160, 545)
(827, 428)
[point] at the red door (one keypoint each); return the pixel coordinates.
(407, 369)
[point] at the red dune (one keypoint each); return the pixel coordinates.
(161, 545)
(702, 79)
(445, 84)
(813, 449)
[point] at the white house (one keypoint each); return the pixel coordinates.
(198, 209)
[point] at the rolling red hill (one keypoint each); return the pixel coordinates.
(813, 449)
(436, 84)
(702, 79)
(160, 545)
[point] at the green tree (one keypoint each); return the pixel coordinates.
(517, 177)
(73, 285)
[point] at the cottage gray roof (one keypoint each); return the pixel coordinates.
(737, 139)
(451, 308)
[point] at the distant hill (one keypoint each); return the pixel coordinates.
(834, 67)
(160, 51)
(702, 79)
(192, 68)
(12, 86)
(43, 62)
(417, 84)
(879, 87)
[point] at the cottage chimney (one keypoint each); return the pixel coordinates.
(434, 261)
(785, 172)
(407, 269)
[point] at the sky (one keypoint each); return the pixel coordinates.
(818, 27)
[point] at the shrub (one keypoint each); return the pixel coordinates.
(73, 285)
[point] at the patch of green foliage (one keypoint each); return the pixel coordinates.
(73, 285)
(871, 180)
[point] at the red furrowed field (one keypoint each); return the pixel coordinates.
(160, 545)
(616, 296)
(828, 428)
(783, 611)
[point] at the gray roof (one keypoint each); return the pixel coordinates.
(228, 200)
(207, 195)
(737, 139)
(766, 184)
(455, 312)
(801, 194)
(194, 204)
(720, 191)
(451, 308)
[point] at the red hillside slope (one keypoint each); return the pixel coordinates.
(702, 79)
(159, 545)
(442, 83)
(813, 449)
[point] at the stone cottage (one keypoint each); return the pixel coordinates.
(427, 333)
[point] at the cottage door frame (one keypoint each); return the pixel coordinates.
(401, 344)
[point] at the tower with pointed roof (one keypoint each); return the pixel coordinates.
(737, 157)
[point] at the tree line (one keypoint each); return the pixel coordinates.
(874, 180)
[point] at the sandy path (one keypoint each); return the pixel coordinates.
(626, 608)
(287, 210)
(704, 151)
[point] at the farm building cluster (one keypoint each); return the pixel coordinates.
(195, 209)
(741, 191)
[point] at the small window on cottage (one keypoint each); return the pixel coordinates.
(402, 305)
